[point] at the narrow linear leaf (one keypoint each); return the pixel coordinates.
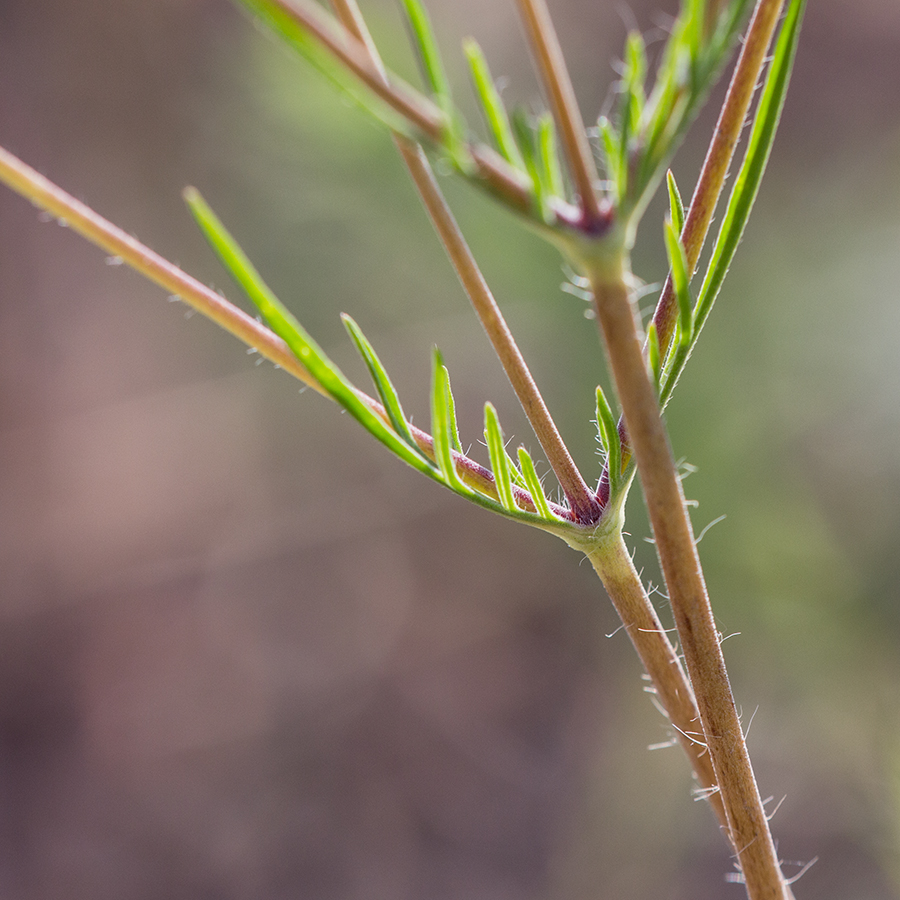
(283, 323)
(533, 485)
(527, 141)
(492, 104)
(680, 278)
(654, 361)
(635, 73)
(427, 48)
(381, 380)
(609, 437)
(616, 167)
(676, 205)
(499, 460)
(441, 425)
(436, 77)
(514, 473)
(548, 151)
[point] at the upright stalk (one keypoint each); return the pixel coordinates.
(747, 823)
(612, 562)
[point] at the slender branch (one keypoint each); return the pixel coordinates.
(613, 564)
(584, 505)
(715, 168)
(555, 75)
(721, 151)
(345, 43)
(111, 239)
(747, 824)
(82, 219)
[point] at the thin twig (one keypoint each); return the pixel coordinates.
(81, 219)
(342, 40)
(584, 505)
(561, 94)
(721, 151)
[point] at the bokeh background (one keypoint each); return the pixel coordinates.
(244, 653)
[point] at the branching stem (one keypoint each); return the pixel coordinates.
(720, 153)
(84, 221)
(561, 95)
(584, 505)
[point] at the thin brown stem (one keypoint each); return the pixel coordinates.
(561, 94)
(82, 219)
(344, 42)
(613, 564)
(584, 505)
(747, 824)
(720, 153)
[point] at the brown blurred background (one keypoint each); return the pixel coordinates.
(244, 653)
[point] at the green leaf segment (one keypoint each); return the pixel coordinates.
(506, 490)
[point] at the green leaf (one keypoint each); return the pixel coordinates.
(609, 438)
(533, 484)
(492, 104)
(616, 166)
(443, 425)
(633, 83)
(436, 77)
(653, 354)
(548, 153)
(427, 48)
(383, 383)
(499, 460)
(283, 323)
(676, 206)
(680, 278)
(527, 141)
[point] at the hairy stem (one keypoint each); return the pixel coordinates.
(748, 827)
(561, 95)
(584, 505)
(612, 562)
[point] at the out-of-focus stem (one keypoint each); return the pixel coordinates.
(561, 95)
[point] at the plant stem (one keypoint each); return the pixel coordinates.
(720, 153)
(345, 43)
(561, 94)
(747, 824)
(584, 505)
(111, 239)
(82, 219)
(612, 562)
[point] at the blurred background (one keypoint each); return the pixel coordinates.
(245, 653)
